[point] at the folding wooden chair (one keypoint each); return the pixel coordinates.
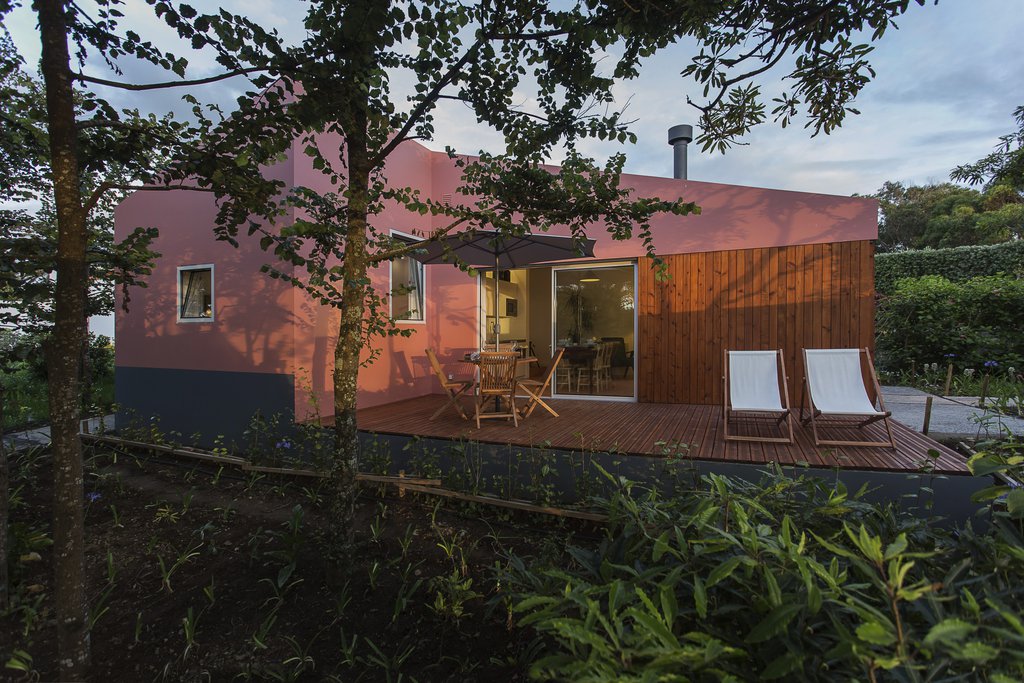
(834, 385)
(535, 389)
(497, 381)
(751, 388)
(453, 388)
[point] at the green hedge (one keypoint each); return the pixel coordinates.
(932, 320)
(956, 264)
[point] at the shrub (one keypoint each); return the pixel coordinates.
(932, 320)
(786, 579)
(956, 264)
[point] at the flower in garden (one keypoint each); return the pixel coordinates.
(991, 364)
(969, 372)
(93, 496)
(1011, 370)
(950, 355)
(284, 444)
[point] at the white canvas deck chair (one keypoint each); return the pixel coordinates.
(834, 385)
(752, 390)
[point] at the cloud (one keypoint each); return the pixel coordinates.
(947, 82)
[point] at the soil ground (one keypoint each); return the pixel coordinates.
(196, 574)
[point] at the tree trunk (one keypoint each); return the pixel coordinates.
(372, 17)
(64, 352)
(5, 487)
(349, 346)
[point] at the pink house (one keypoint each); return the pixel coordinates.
(212, 340)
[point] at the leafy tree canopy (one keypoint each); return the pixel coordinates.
(117, 149)
(947, 215)
(1004, 166)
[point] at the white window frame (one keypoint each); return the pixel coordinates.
(391, 285)
(213, 294)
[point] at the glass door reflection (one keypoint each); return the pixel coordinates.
(595, 322)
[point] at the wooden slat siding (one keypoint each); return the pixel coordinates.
(809, 296)
(787, 342)
(671, 295)
(711, 345)
(645, 301)
(837, 326)
(720, 299)
(692, 318)
(826, 286)
(664, 360)
(649, 360)
(817, 297)
(635, 429)
(772, 285)
(764, 290)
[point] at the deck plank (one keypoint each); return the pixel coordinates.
(635, 428)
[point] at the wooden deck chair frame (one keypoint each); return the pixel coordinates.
(497, 380)
(453, 388)
(535, 390)
(841, 419)
(779, 416)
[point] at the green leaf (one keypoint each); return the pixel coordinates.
(660, 546)
(723, 571)
(700, 597)
(782, 666)
(978, 652)
(896, 547)
(948, 631)
(813, 599)
(1015, 503)
(774, 623)
(875, 633)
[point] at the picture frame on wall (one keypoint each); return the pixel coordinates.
(511, 308)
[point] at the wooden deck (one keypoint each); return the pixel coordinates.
(651, 428)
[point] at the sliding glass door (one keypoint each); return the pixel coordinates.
(595, 322)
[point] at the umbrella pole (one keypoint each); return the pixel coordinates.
(497, 320)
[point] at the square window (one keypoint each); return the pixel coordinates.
(407, 296)
(195, 293)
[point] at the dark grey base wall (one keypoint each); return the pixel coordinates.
(565, 474)
(212, 404)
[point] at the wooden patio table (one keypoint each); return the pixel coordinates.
(525, 360)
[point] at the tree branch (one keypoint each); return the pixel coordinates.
(168, 84)
(404, 250)
(428, 99)
(94, 198)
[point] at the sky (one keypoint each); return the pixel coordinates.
(947, 83)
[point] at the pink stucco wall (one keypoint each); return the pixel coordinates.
(732, 216)
(265, 325)
(252, 326)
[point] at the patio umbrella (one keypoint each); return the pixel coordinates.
(481, 248)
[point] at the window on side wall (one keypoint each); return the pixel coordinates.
(195, 293)
(407, 290)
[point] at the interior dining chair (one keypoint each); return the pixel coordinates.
(752, 390)
(453, 388)
(835, 387)
(535, 389)
(497, 382)
(603, 365)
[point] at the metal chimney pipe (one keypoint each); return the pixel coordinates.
(679, 136)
